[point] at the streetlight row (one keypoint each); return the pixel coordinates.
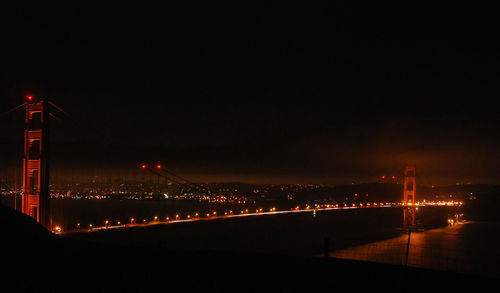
(196, 215)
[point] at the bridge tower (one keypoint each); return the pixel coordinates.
(410, 188)
(36, 192)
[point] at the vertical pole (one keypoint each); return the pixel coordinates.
(408, 247)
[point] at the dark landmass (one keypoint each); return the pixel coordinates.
(37, 260)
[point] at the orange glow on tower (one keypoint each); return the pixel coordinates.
(410, 188)
(36, 193)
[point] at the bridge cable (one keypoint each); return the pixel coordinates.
(11, 110)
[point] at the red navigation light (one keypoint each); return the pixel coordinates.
(158, 166)
(393, 177)
(383, 176)
(29, 98)
(143, 166)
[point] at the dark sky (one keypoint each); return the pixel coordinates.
(317, 94)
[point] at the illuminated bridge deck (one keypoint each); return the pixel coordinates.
(244, 213)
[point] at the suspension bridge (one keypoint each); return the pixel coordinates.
(35, 197)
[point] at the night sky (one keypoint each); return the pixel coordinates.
(283, 94)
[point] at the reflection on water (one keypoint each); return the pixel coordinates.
(469, 247)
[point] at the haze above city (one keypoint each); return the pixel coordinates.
(289, 95)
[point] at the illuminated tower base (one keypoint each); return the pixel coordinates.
(409, 215)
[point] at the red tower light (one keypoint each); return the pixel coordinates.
(143, 166)
(158, 166)
(29, 98)
(393, 177)
(383, 176)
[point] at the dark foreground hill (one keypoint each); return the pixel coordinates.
(34, 260)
